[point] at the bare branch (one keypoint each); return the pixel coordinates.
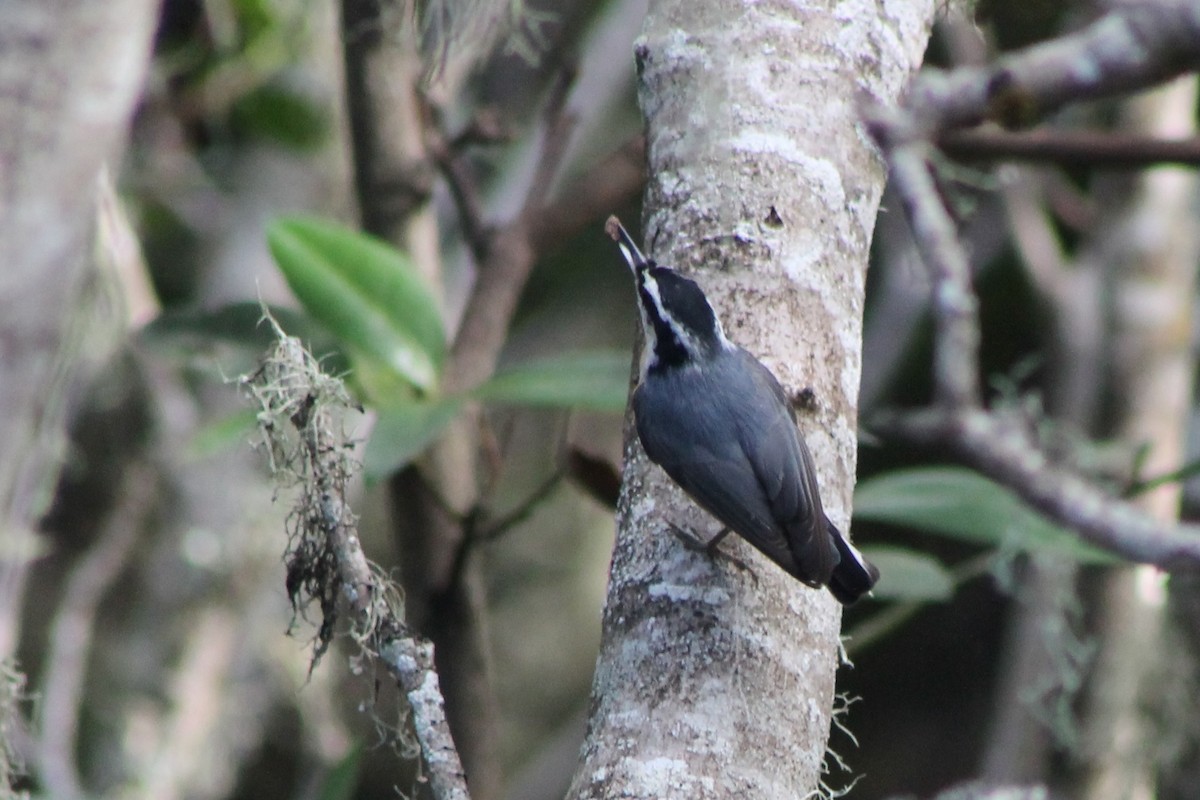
(1132, 47)
(515, 248)
(497, 528)
(410, 660)
(1135, 46)
(74, 626)
(955, 307)
(1071, 148)
(1005, 451)
(608, 185)
(559, 124)
(448, 155)
(1035, 238)
(327, 562)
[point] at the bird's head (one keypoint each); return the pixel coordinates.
(679, 325)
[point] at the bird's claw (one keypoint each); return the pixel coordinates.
(711, 548)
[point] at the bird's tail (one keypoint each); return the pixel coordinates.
(854, 575)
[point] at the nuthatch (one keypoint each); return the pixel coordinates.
(718, 422)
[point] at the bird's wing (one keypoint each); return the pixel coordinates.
(785, 469)
(714, 472)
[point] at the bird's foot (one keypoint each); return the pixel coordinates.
(711, 548)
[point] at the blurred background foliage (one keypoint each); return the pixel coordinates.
(238, 185)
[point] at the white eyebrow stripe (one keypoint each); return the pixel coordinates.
(684, 338)
(651, 286)
(688, 341)
(629, 259)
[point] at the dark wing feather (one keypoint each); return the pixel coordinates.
(727, 435)
(710, 467)
(786, 471)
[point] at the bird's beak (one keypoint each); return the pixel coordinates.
(629, 248)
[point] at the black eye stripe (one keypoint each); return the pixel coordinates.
(669, 350)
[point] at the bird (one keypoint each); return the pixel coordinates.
(718, 422)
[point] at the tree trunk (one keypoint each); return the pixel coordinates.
(1154, 252)
(713, 682)
(70, 71)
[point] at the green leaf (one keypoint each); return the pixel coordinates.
(366, 292)
(963, 505)
(223, 434)
(242, 324)
(342, 780)
(1186, 472)
(279, 114)
(598, 381)
(908, 575)
(402, 432)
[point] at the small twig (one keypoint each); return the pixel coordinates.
(558, 125)
(466, 197)
(1035, 238)
(496, 528)
(1008, 454)
(956, 309)
(1071, 148)
(410, 661)
(436, 497)
(486, 127)
(327, 562)
(510, 257)
(1134, 46)
(1143, 485)
(447, 155)
(608, 185)
(74, 626)
(522, 512)
(492, 452)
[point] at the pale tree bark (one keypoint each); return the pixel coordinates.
(1144, 257)
(1153, 250)
(713, 682)
(70, 71)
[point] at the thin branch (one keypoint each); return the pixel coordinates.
(1071, 148)
(1006, 452)
(955, 307)
(410, 660)
(1036, 240)
(505, 267)
(516, 247)
(1132, 47)
(74, 626)
(522, 512)
(486, 127)
(559, 124)
(610, 184)
(447, 155)
(327, 563)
